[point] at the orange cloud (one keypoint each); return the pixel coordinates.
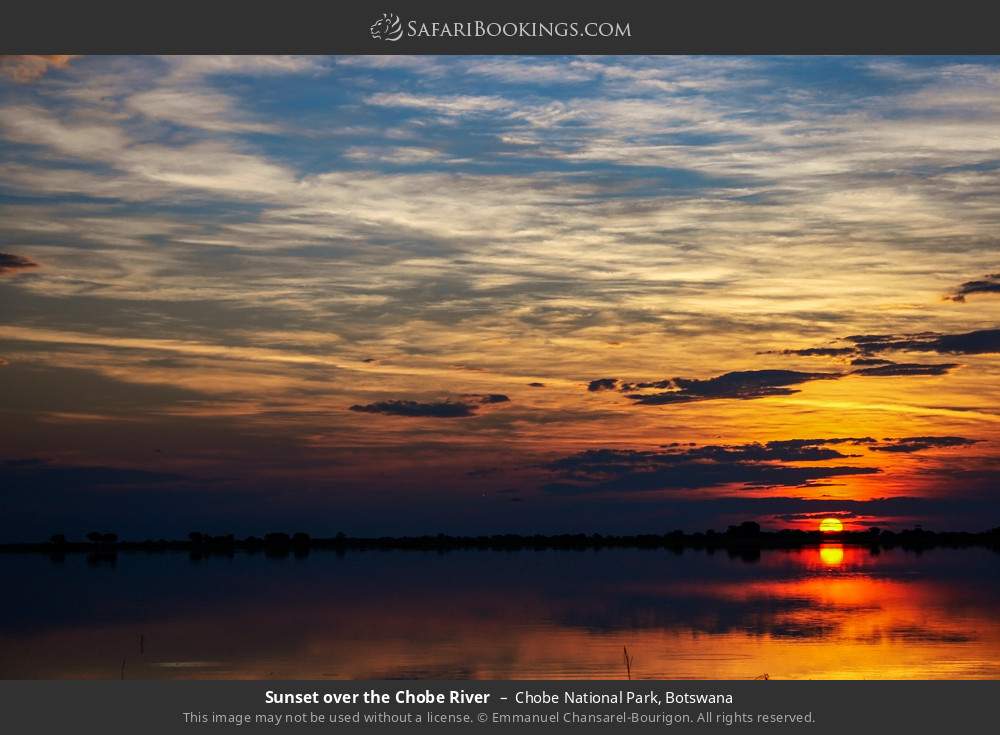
(28, 68)
(10, 263)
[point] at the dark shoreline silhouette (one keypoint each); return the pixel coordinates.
(744, 539)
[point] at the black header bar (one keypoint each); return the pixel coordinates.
(447, 26)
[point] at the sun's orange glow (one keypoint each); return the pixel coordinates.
(831, 525)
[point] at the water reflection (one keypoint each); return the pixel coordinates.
(832, 555)
(833, 611)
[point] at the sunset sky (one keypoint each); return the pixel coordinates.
(387, 295)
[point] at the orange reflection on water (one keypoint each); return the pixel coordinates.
(834, 611)
(832, 555)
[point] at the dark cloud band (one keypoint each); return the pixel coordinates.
(685, 467)
(10, 263)
(436, 409)
(989, 284)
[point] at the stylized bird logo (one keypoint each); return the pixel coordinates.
(387, 28)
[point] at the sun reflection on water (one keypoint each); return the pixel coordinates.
(832, 611)
(831, 555)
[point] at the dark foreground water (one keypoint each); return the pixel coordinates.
(829, 612)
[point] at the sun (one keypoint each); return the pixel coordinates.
(831, 525)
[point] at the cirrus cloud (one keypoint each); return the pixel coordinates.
(28, 68)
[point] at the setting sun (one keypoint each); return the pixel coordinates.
(831, 525)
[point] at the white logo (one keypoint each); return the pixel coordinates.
(387, 28)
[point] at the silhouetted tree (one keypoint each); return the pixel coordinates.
(745, 529)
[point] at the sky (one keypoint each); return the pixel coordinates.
(418, 294)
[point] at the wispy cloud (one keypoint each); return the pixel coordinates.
(30, 68)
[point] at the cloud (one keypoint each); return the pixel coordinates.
(437, 409)
(10, 263)
(742, 385)
(910, 444)
(451, 105)
(856, 440)
(752, 384)
(785, 450)
(196, 109)
(816, 516)
(871, 361)
(494, 398)
(687, 466)
(29, 68)
(188, 67)
(399, 155)
(868, 346)
(632, 387)
(982, 341)
(908, 369)
(752, 465)
(87, 139)
(817, 351)
(989, 284)
(602, 384)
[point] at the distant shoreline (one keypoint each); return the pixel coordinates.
(746, 538)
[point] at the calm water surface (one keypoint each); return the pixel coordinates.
(830, 612)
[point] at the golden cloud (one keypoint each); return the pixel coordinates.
(28, 68)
